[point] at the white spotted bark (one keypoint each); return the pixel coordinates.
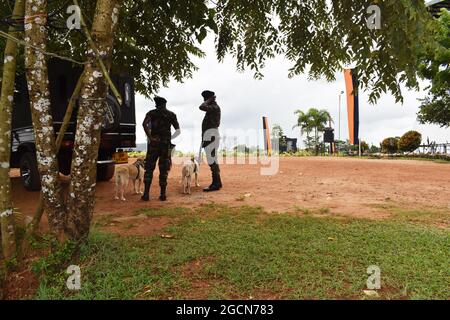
(39, 92)
(6, 103)
(90, 114)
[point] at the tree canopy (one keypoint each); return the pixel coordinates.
(277, 131)
(435, 66)
(410, 141)
(157, 39)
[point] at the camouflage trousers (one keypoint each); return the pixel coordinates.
(211, 150)
(163, 153)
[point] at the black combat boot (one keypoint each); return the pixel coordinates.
(211, 185)
(146, 195)
(216, 184)
(219, 181)
(163, 196)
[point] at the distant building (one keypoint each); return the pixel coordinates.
(285, 144)
(291, 145)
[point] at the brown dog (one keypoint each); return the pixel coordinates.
(134, 172)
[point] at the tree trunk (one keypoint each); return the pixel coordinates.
(39, 92)
(90, 115)
(308, 145)
(33, 227)
(6, 102)
(316, 137)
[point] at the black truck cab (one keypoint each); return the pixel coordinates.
(118, 129)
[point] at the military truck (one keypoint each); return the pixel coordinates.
(118, 128)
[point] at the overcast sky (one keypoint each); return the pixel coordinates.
(244, 101)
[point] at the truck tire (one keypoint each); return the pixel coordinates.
(105, 171)
(29, 172)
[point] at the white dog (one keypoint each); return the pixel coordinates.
(135, 173)
(190, 168)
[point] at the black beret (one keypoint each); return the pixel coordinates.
(208, 94)
(160, 101)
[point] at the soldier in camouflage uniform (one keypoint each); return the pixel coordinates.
(157, 125)
(211, 137)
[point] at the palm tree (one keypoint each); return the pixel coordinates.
(304, 123)
(320, 118)
(314, 120)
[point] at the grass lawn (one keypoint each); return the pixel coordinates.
(243, 253)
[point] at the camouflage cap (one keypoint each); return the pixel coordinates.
(160, 101)
(208, 94)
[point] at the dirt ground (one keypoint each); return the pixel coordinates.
(357, 188)
(342, 186)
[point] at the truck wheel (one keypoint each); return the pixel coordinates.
(105, 172)
(29, 172)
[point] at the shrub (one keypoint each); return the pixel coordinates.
(410, 141)
(389, 145)
(374, 149)
(364, 146)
